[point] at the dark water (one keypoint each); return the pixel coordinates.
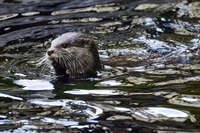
(159, 94)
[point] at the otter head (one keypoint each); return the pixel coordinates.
(74, 55)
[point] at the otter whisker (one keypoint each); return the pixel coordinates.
(61, 62)
(41, 61)
(67, 63)
(44, 63)
(43, 68)
(71, 64)
(83, 63)
(81, 68)
(76, 66)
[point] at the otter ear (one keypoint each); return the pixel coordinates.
(89, 42)
(86, 42)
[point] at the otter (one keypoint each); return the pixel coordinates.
(74, 55)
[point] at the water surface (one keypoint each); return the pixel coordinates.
(151, 78)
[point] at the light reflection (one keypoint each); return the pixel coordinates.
(4, 122)
(30, 13)
(20, 74)
(110, 83)
(96, 8)
(152, 114)
(93, 92)
(137, 69)
(155, 45)
(8, 16)
(64, 122)
(167, 112)
(44, 102)
(25, 127)
(186, 100)
(122, 109)
(190, 99)
(35, 84)
(9, 96)
(80, 126)
(3, 117)
(178, 81)
(89, 110)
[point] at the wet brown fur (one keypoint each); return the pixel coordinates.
(75, 56)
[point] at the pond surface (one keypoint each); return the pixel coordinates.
(151, 80)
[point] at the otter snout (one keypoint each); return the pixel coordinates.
(51, 54)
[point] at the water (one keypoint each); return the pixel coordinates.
(150, 83)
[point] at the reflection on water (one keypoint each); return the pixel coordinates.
(152, 114)
(110, 83)
(97, 8)
(63, 122)
(190, 99)
(9, 96)
(151, 78)
(71, 106)
(93, 92)
(186, 100)
(157, 113)
(34, 84)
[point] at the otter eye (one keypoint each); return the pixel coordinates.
(65, 45)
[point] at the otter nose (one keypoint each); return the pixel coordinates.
(50, 52)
